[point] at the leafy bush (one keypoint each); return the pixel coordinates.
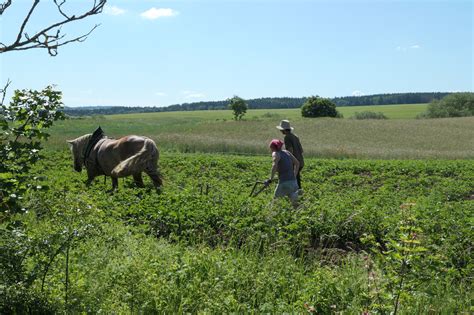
(319, 107)
(453, 105)
(368, 115)
(23, 125)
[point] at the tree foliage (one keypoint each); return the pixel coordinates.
(23, 125)
(239, 107)
(319, 107)
(454, 105)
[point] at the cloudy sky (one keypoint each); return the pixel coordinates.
(158, 53)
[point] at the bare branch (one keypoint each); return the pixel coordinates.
(59, 8)
(4, 6)
(3, 91)
(25, 21)
(49, 37)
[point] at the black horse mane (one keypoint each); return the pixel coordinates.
(96, 136)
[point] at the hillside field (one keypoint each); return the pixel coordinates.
(215, 131)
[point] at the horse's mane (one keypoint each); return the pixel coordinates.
(81, 142)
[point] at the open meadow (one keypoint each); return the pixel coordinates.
(216, 132)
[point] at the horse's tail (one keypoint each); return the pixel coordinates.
(139, 161)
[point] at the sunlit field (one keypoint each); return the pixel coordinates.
(403, 111)
(216, 132)
(204, 245)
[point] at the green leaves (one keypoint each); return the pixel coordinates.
(23, 123)
(319, 107)
(239, 106)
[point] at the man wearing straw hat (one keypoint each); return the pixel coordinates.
(292, 144)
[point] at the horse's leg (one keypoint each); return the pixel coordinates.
(114, 183)
(89, 181)
(138, 179)
(155, 177)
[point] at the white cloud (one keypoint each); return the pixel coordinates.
(405, 49)
(192, 94)
(160, 94)
(195, 95)
(156, 13)
(113, 10)
(357, 93)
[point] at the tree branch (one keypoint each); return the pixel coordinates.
(25, 21)
(4, 6)
(49, 37)
(3, 91)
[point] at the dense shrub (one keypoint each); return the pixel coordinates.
(368, 115)
(453, 105)
(319, 107)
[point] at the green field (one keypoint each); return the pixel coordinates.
(404, 111)
(366, 235)
(215, 131)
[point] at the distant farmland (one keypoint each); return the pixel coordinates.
(216, 132)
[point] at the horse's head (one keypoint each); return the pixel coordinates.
(77, 149)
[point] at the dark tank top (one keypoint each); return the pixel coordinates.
(285, 167)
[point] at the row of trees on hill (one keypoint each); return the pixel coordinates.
(264, 103)
(389, 99)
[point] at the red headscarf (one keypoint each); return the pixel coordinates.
(276, 143)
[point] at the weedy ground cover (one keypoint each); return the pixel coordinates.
(377, 236)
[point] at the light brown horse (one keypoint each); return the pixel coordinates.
(130, 155)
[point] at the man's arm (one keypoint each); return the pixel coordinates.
(296, 164)
(289, 144)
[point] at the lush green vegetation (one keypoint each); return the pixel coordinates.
(453, 105)
(368, 234)
(238, 106)
(319, 107)
(215, 131)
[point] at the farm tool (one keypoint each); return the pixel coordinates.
(255, 191)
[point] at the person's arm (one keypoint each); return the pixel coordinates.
(275, 160)
(289, 144)
(296, 164)
(300, 146)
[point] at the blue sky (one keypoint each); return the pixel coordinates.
(158, 53)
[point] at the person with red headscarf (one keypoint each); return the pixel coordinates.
(287, 166)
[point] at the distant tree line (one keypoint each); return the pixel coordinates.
(389, 99)
(264, 103)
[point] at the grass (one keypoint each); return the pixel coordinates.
(215, 131)
(216, 250)
(404, 111)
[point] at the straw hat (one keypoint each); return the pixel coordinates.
(285, 125)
